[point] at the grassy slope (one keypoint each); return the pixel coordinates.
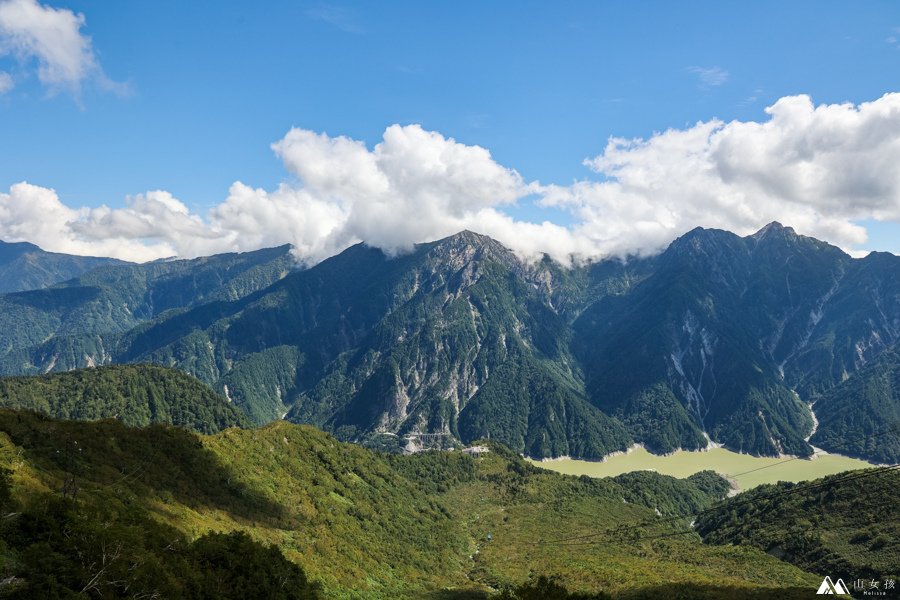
(371, 526)
(523, 514)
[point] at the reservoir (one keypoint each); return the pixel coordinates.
(745, 470)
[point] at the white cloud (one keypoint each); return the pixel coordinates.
(816, 168)
(819, 169)
(709, 76)
(6, 82)
(341, 17)
(52, 37)
(35, 214)
(891, 40)
(414, 186)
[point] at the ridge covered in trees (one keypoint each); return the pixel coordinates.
(136, 395)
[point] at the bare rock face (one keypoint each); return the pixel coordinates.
(719, 339)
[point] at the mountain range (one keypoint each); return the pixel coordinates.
(24, 266)
(719, 339)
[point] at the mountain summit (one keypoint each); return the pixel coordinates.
(719, 338)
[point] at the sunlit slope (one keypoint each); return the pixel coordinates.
(371, 526)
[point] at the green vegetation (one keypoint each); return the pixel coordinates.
(136, 395)
(707, 340)
(848, 529)
(77, 323)
(461, 337)
(546, 588)
(362, 524)
(448, 336)
(861, 416)
(681, 353)
(55, 547)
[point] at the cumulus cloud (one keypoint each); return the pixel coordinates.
(414, 186)
(816, 168)
(35, 214)
(820, 169)
(30, 31)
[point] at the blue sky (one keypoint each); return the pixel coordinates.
(188, 97)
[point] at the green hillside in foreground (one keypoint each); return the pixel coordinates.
(136, 395)
(848, 529)
(361, 524)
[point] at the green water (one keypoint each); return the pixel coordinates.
(738, 467)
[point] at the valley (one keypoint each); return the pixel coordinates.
(251, 397)
(345, 300)
(719, 339)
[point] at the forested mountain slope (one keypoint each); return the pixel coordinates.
(76, 323)
(861, 416)
(720, 337)
(456, 337)
(136, 395)
(726, 328)
(845, 525)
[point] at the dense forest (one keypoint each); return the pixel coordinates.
(845, 525)
(861, 416)
(136, 395)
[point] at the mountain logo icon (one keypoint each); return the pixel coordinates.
(830, 587)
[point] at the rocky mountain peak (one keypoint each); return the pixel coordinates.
(774, 229)
(711, 243)
(467, 246)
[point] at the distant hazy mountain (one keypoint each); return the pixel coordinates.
(720, 337)
(24, 266)
(75, 323)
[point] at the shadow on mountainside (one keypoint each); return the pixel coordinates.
(109, 460)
